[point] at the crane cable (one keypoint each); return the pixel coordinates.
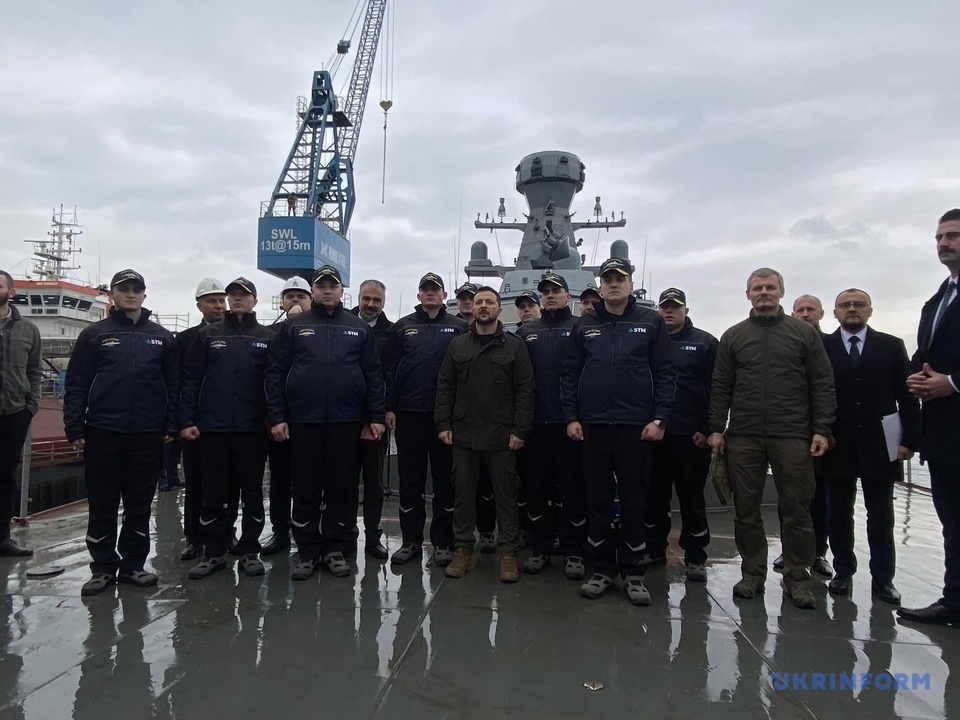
(386, 89)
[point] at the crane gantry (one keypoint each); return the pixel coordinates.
(305, 222)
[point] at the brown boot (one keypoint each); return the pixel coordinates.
(509, 572)
(462, 558)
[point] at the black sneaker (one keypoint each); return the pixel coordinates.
(304, 569)
(97, 584)
(191, 551)
(336, 564)
(207, 567)
(138, 578)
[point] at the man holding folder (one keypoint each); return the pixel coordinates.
(875, 411)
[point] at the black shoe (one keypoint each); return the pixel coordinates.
(778, 564)
(935, 614)
(232, 545)
(822, 567)
(840, 585)
(8, 548)
(190, 552)
(886, 592)
(375, 549)
(163, 485)
(276, 543)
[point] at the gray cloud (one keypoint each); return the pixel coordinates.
(818, 139)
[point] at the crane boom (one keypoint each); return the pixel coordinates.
(315, 188)
(363, 66)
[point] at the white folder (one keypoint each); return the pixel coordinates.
(893, 434)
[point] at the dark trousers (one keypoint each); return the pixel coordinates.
(417, 441)
(747, 459)
(322, 457)
(369, 469)
(193, 489)
(13, 433)
(280, 487)
(878, 499)
(171, 460)
(678, 462)
(502, 467)
(819, 512)
(120, 466)
(232, 466)
(616, 462)
(945, 484)
(554, 469)
(486, 503)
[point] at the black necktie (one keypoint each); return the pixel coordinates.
(944, 304)
(855, 351)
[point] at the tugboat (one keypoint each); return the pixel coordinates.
(548, 180)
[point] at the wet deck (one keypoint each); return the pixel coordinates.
(409, 643)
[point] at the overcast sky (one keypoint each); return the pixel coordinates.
(817, 138)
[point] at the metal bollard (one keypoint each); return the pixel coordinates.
(25, 478)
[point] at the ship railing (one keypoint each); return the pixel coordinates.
(53, 452)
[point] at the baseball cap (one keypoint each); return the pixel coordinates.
(128, 275)
(615, 264)
(673, 295)
(328, 271)
(527, 295)
(591, 288)
(431, 278)
(243, 284)
(551, 278)
(468, 288)
(209, 286)
(295, 283)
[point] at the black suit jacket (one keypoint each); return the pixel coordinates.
(878, 387)
(941, 417)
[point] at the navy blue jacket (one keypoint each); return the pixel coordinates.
(123, 376)
(323, 368)
(547, 340)
(695, 352)
(415, 350)
(619, 369)
(222, 384)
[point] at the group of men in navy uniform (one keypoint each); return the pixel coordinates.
(615, 407)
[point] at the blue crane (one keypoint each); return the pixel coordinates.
(304, 224)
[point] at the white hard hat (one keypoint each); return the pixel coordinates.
(295, 283)
(210, 286)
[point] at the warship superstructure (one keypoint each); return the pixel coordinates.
(548, 180)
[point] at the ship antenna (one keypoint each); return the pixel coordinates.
(643, 270)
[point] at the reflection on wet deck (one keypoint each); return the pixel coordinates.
(408, 643)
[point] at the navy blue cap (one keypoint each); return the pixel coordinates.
(128, 275)
(431, 278)
(591, 288)
(673, 295)
(618, 265)
(328, 271)
(243, 284)
(551, 278)
(468, 288)
(527, 295)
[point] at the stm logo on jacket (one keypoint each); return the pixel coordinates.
(619, 369)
